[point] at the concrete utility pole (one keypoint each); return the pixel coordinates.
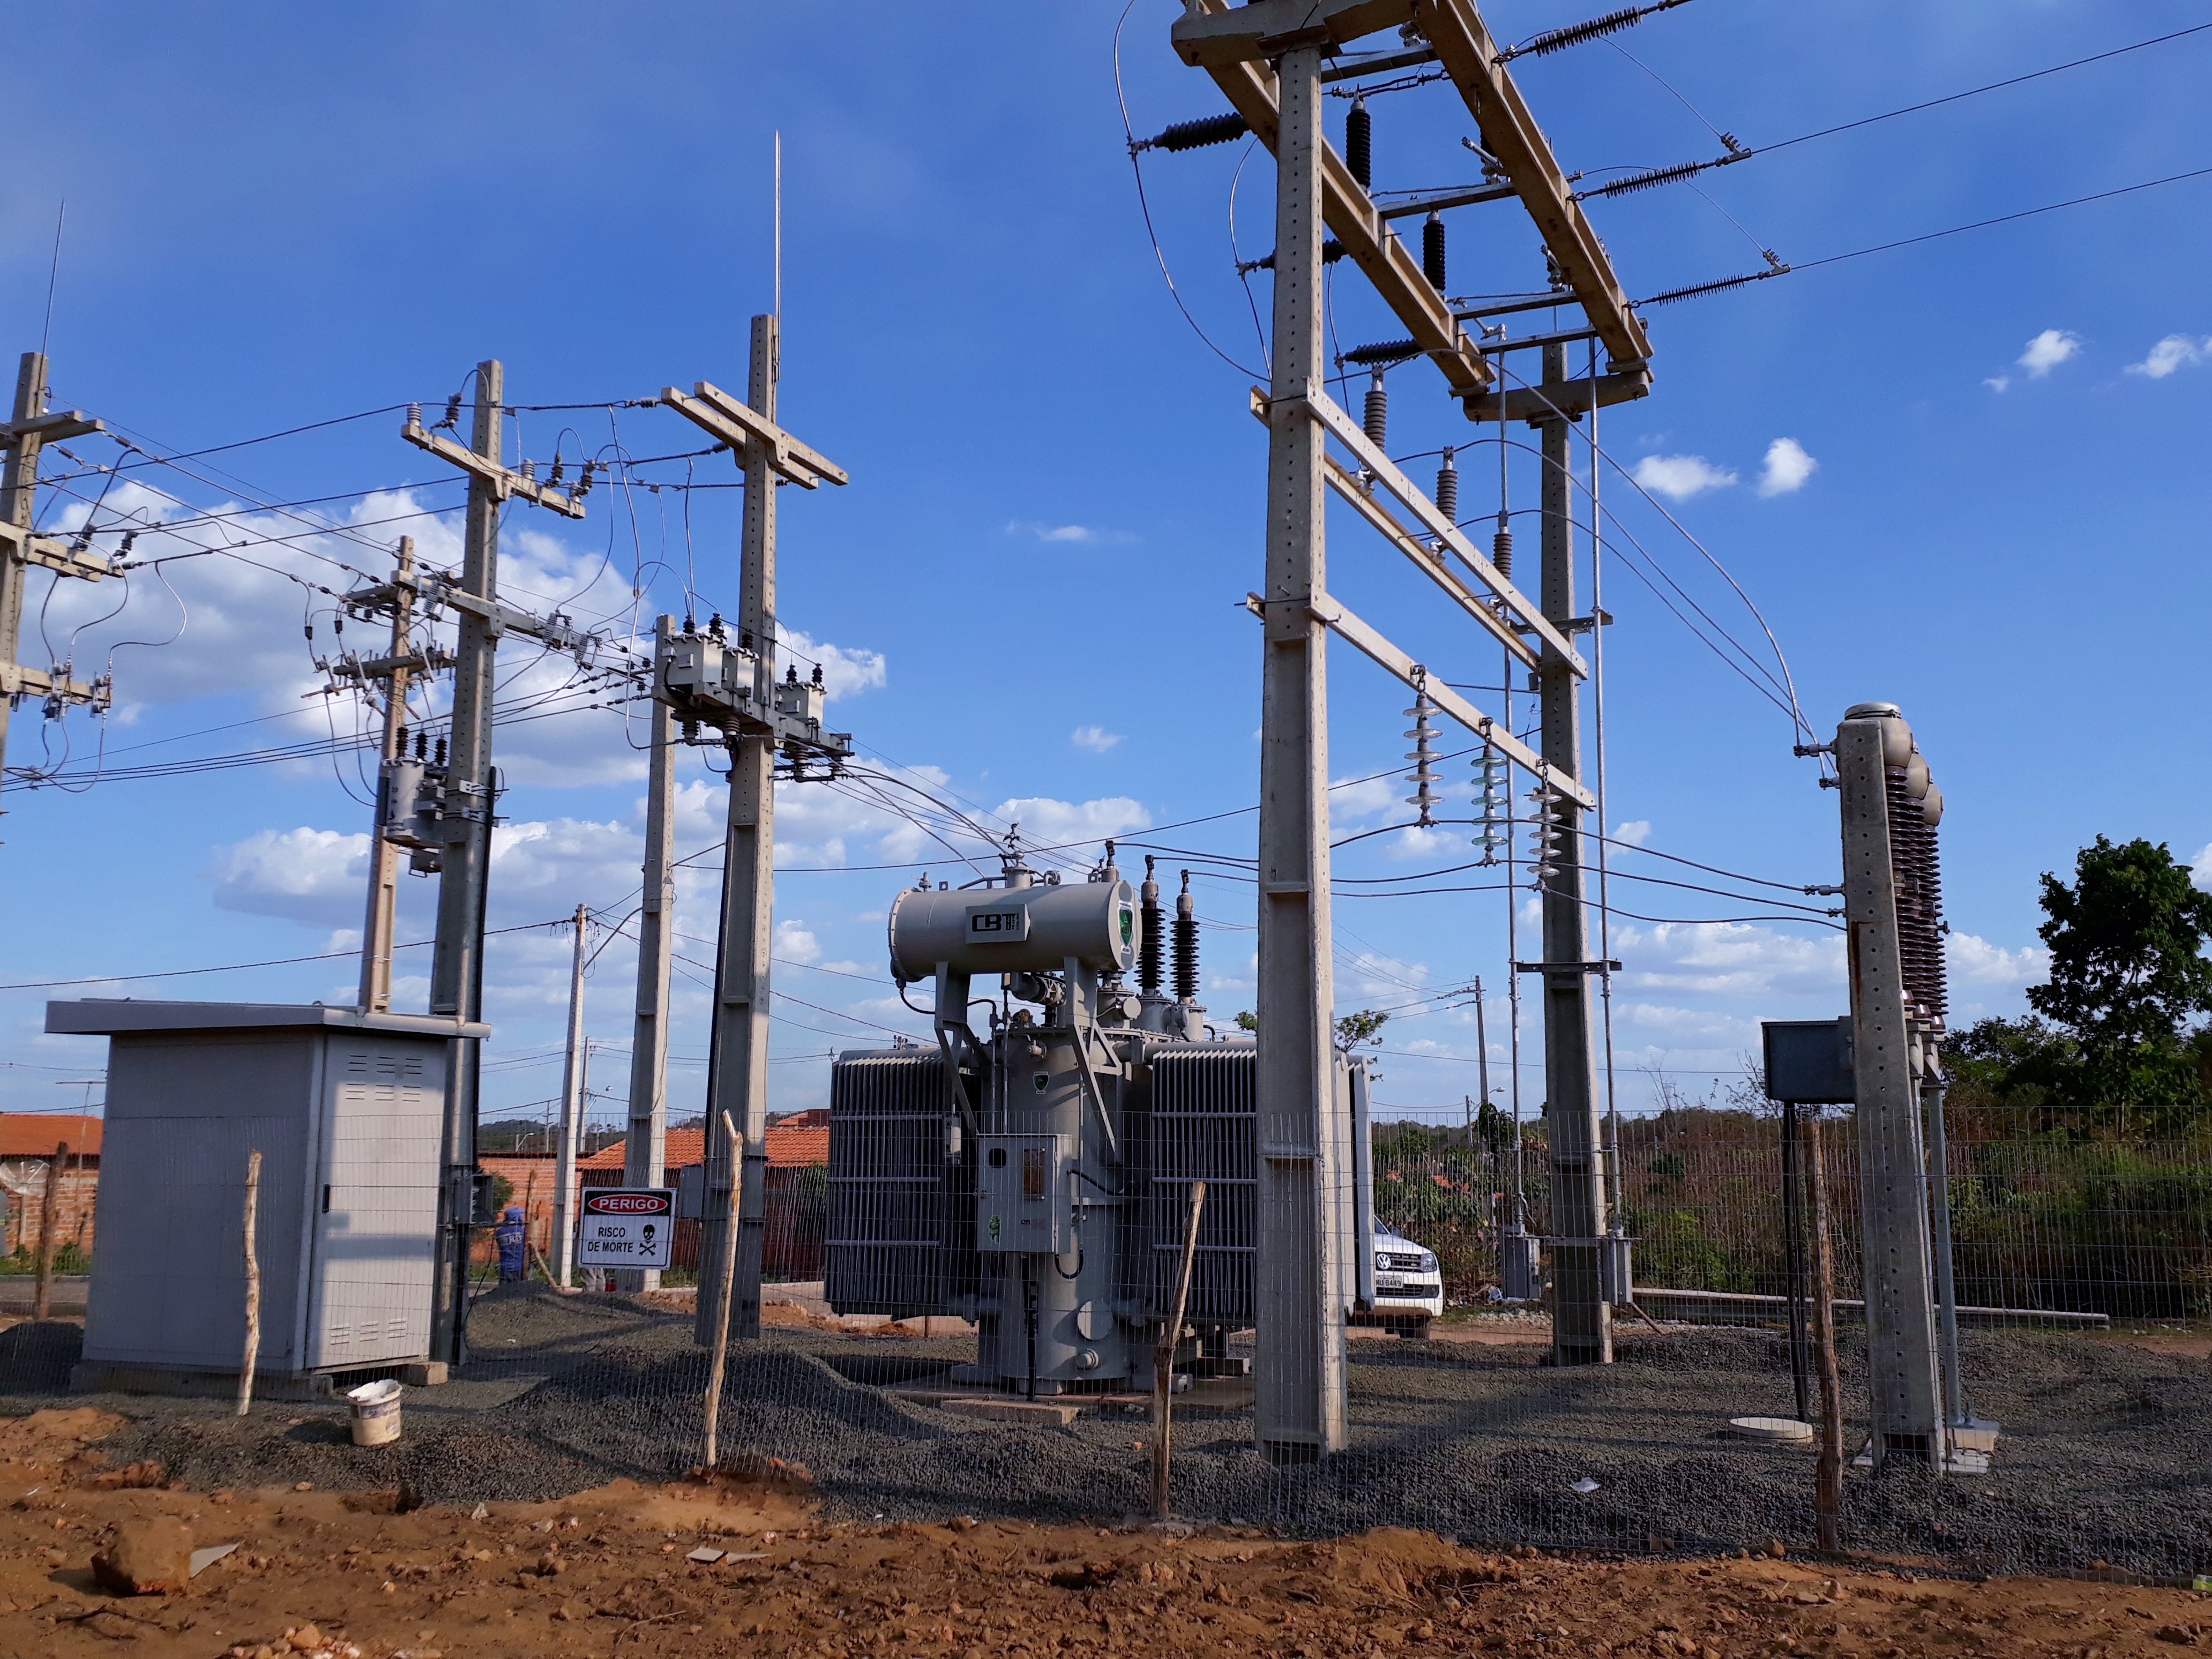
(737, 1074)
(645, 1152)
(1905, 1382)
(572, 1111)
(21, 552)
(456, 958)
(1581, 1319)
(376, 934)
(466, 815)
(735, 689)
(1304, 1220)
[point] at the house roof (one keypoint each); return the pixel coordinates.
(35, 1134)
(793, 1142)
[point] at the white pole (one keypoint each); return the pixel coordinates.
(572, 1113)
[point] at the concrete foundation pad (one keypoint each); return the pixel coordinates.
(424, 1373)
(108, 1376)
(1978, 1435)
(1036, 1413)
(1771, 1430)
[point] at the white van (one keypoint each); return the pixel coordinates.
(1409, 1286)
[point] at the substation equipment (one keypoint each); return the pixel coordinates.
(1885, 1061)
(343, 1107)
(1272, 60)
(1901, 997)
(1033, 1176)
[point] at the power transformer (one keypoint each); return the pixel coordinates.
(1034, 1176)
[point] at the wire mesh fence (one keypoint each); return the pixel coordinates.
(2084, 1268)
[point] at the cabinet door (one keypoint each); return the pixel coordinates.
(377, 1201)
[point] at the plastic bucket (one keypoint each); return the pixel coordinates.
(375, 1413)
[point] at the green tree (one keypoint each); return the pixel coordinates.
(1364, 1027)
(2012, 1062)
(2127, 971)
(1352, 1031)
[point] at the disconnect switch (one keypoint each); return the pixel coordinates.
(1021, 1195)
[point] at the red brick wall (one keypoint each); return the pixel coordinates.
(73, 1210)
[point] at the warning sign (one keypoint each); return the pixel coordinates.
(626, 1227)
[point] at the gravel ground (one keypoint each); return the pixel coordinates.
(2107, 1455)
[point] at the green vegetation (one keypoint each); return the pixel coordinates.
(2111, 1032)
(2047, 1212)
(68, 1259)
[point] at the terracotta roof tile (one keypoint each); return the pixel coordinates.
(34, 1134)
(793, 1142)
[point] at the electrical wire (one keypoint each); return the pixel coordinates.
(1145, 206)
(279, 962)
(2005, 218)
(1975, 91)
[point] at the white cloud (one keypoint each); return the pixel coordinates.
(316, 877)
(1634, 833)
(1998, 382)
(1415, 842)
(1693, 1028)
(232, 628)
(1363, 798)
(1678, 478)
(1975, 961)
(1048, 822)
(1731, 959)
(1787, 467)
(1097, 738)
(1067, 532)
(846, 672)
(2174, 351)
(2200, 869)
(2048, 349)
(795, 941)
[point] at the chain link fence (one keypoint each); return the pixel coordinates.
(2084, 1269)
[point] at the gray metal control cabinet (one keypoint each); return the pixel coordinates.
(346, 1109)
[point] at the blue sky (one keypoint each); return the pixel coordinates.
(1028, 600)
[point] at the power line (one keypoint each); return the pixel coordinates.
(2007, 218)
(277, 962)
(1975, 91)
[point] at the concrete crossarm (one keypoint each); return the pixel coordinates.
(1347, 432)
(16, 682)
(1353, 490)
(52, 427)
(1467, 51)
(1331, 613)
(498, 618)
(741, 427)
(1357, 494)
(51, 555)
(1227, 44)
(505, 481)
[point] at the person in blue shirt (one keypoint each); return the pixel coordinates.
(510, 1234)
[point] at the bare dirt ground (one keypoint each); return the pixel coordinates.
(609, 1571)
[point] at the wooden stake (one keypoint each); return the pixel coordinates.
(725, 1279)
(1828, 1477)
(42, 1301)
(253, 1283)
(1163, 1356)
